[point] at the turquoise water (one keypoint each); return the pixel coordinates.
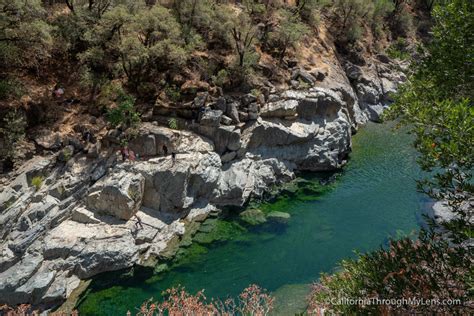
(373, 198)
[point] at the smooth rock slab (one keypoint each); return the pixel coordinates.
(16, 276)
(89, 249)
(119, 195)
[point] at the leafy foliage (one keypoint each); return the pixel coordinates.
(399, 49)
(437, 101)
(141, 43)
(252, 301)
(124, 113)
(37, 182)
(426, 268)
(25, 36)
(290, 30)
(12, 133)
(173, 123)
(221, 78)
(10, 88)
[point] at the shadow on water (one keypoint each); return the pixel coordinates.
(330, 216)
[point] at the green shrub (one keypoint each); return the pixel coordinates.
(353, 14)
(37, 182)
(66, 154)
(426, 269)
(381, 10)
(288, 33)
(124, 113)
(354, 33)
(398, 49)
(134, 194)
(25, 34)
(13, 132)
(303, 85)
(173, 92)
(221, 79)
(256, 92)
(309, 10)
(5, 89)
(403, 23)
(10, 88)
(173, 123)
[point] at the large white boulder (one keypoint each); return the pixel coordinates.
(119, 194)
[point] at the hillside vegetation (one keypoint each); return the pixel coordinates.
(164, 52)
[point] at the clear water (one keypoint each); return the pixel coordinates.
(373, 198)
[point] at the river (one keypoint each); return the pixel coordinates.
(373, 198)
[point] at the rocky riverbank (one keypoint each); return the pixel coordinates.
(69, 216)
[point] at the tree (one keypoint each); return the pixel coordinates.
(25, 36)
(96, 7)
(381, 9)
(102, 40)
(195, 16)
(244, 35)
(289, 31)
(307, 9)
(124, 114)
(151, 42)
(139, 42)
(437, 101)
(351, 14)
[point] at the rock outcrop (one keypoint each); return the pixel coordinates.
(91, 213)
(119, 195)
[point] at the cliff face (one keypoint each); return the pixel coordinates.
(93, 213)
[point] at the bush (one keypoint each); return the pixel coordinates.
(173, 123)
(140, 43)
(221, 79)
(13, 132)
(252, 301)
(10, 88)
(37, 182)
(352, 14)
(173, 92)
(398, 49)
(309, 10)
(354, 33)
(124, 113)
(381, 9)
(403, 22)
(426, 268)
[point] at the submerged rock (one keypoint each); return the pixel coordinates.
(280, 217)
(253, 217)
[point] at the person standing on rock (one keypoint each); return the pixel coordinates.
(124, 152)
(139, 222)
(173, 157)
(165, 150)
(131, 155)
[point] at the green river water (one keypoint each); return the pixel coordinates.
(373, 198)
